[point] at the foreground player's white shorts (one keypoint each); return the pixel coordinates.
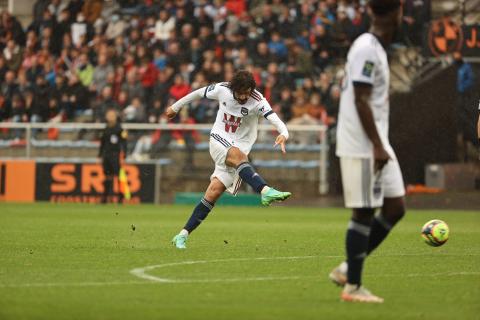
(362, 188)
(219, 147)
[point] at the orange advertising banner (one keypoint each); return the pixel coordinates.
(17, 180)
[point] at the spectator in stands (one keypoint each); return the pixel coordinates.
(105, 102)
(135, 112)
(85, 70)
(179, 88)
(132, 86)
(164, 26)
(79, 30)
(8, 89)
(10, 28)
(263, 56)
(466, 110)
(416, 15)
(285, 104)
(115, 27)
(4, 112)
(77, 101)
(277, 47)
(42, 92)
(316, 109)
(13, 55)
(148, 74)
(100, 73)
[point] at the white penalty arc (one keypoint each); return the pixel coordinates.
(143, 272)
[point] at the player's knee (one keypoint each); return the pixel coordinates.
(394, 210)
(213, 193)
(235, 157)
(395, 214)
(363, 215)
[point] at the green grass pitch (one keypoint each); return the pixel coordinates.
(75, 261)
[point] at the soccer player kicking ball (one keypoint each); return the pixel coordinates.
(371, 175)
(231, 139)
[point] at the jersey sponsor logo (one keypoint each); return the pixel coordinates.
(113, 139)
(244, 111)
(368, 68)
(231, 122)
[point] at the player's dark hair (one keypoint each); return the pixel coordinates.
(383, 7)
(242, 81)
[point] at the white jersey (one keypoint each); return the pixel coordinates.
(237, 122)
(367, 63)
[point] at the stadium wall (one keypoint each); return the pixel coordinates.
(423, 124)
(59, 181)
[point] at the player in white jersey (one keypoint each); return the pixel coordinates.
(231, 139)
(371, 176)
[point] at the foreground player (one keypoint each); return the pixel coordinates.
(371, 175)
(231, 139)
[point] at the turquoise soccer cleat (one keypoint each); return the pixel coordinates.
(274, 195)
(179, 241)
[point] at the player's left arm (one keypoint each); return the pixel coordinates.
(266, 111)
(209, 92)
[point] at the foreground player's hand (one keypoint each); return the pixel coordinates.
(381, 157)
(170, 113)
(281, 141)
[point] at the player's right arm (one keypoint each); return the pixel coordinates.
(362, 66)
(209, 92)
(362, 98)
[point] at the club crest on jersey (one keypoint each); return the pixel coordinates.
(210, 87)
(244, 111)
(231, 122)
(368, 68)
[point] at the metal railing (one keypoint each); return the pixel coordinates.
(319, 130)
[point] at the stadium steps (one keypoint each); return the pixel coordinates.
(441, 8)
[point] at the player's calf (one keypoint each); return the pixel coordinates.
(200, 213)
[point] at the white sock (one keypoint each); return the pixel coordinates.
(184, 232)
(343, 267)
(265, 189)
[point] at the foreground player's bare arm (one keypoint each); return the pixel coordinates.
(362, 97)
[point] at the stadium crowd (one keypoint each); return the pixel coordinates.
(79, 58)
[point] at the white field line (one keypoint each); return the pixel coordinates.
(142, 273)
